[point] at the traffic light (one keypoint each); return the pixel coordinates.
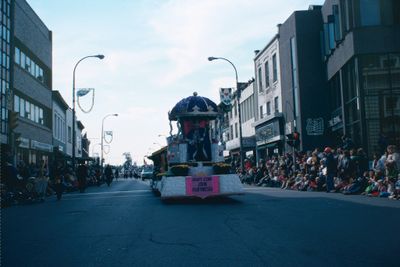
(13, 120)
(290, 139)
(296, 137)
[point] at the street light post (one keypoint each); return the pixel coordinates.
(102, 138)
(238, 90)
(73, 108)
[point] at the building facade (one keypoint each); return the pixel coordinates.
(362, 55)
(6, 24)
(32, 84)
(270, 136)
(303, 78)
(60, 108)
(231, 130)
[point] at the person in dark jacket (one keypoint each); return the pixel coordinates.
(331, 166)
(81, 174)
(108, 174)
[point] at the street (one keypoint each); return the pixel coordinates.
(127, 225)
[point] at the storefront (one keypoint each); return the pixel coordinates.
(270, 138)
(32, 152)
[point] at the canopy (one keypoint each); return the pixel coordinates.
(194, 106)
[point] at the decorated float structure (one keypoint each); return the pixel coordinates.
(192, 163)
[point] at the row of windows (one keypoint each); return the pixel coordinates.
(5, 33)
(355, 13)
(269, 108)
(5, 7)
(28, 110)
(266, 72)
(28, 64)
(59, 128)
(247, 109)
(5, 60)
(230, 135)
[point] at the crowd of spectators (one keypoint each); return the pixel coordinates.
(348, 171)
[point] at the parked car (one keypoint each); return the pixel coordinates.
(146, 173)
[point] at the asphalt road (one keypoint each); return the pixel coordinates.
(126, 225)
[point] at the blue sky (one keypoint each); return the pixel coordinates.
(155, 55)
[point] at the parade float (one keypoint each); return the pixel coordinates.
(192, 163)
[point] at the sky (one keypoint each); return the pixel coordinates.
(155, 55)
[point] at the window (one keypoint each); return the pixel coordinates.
(17, 57)
(235, 108)
(295, 83)
(16, 103)
(266, 74)
(268, 108)
(236, 130)
(32, 113)
(27, 110)
(260, 88)
(36, 114)
(261, 112)
(337, 22)
(21, 107)
(41, 120)
(23, 59)
(28, 64)
(274, 68)
(331, 32)
(276, 104)
(370, 13)
(69, 134)
(41, 75)
(231, 127)
(33, 68)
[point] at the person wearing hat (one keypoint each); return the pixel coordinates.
(331, 166)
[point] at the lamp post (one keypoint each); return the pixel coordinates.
(238, 89)
(102, 137)
(73, 108)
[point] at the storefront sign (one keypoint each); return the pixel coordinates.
(202, 186)
(24, 142)
(315, 126)
(226, 96)
(335, 120)
(41, 146)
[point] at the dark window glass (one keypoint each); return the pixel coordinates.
(17, 57)
(396, 12)
(268, 108)
(370, 12)
(260, 88)
(266, 67)
(337, 22)
(274, 68)
(276, 104)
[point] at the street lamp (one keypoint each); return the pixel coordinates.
(73, 108)
(102, 137)
(238, 89)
